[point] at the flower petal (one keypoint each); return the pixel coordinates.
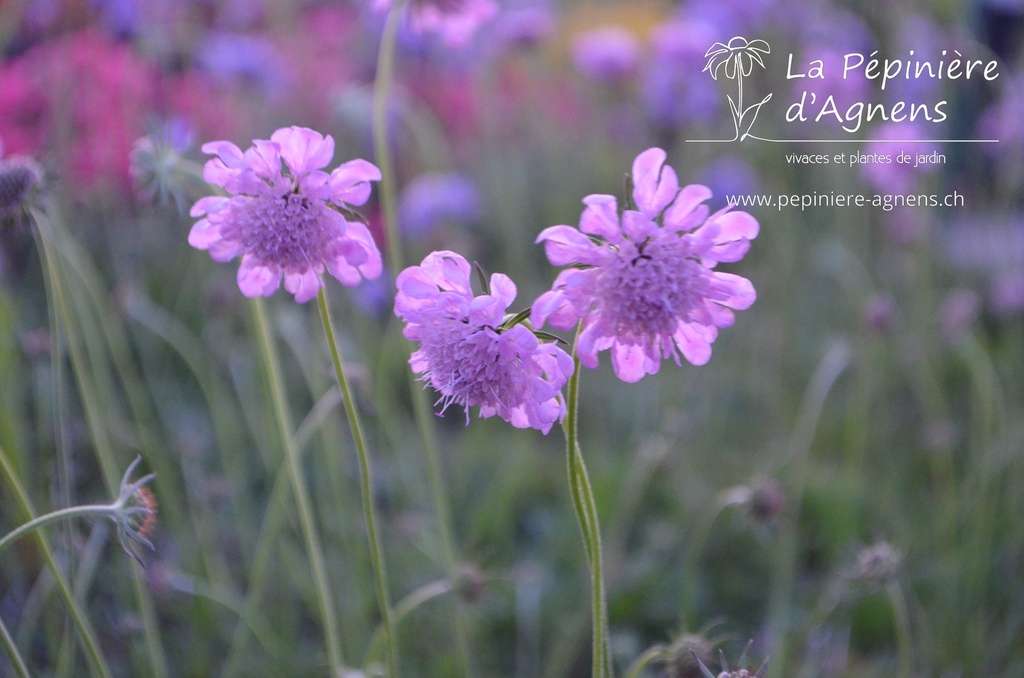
(350, 182)
(564, 245)
(686, 202)
(654, 183)
(304, 149)
(694, 340)
(732, 290)
(631, 362)
(255, 280)
(304, 285)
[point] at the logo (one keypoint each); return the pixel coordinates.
(736, 59)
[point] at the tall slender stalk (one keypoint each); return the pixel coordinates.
(832, 365)
(382, 146)
(901, 617)
(366, 486)
(586, 514)
(421, 409)
(97, 662)
(302, 501)
(86, 357)
(98, 510)
(20, 668)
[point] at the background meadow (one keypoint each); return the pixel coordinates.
(837, 490)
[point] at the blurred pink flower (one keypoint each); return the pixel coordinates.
(83, 99)
(454, 21)
(286, 217)
(643, 283)
(470, 355)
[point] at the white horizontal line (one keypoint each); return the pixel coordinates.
(850, 141)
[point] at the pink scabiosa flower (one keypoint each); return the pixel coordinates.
(472, 352)
(285, 216)
(643, 283)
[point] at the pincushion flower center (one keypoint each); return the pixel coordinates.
(288, 231)
(649, 288)
(468, 365)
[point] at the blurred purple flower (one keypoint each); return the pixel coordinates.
(1006, 296)
(879, 312)
(286, 217)
(928, 41)
(1003, 121)
(524, 26)
(608, 54)
(994, 249)
(895, 177)
(730, 175)
(156, 161)
(19, 176)
(454, 21)
(239, 57)
(643, 283)
(958, 310)
(845, 91)
(674, 89)
(467, 351)
(433, 199)
(735, 17)
(118, 17)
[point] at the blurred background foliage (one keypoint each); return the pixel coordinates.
(840, 486)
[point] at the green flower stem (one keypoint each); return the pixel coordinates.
(42, 521)
(381, 92)
(691, 560)
(88, 636)
(376, 552)
(832, 365)
(586, 514)
(89, 370)
(644, 660)
(260, 570)
(302, 501)
(249, 610)
(20, 669)
(403, 609)
(902, 619)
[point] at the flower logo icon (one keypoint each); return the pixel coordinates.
(736, 59)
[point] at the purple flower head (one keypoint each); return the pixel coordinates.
(252, 59)
(454, 21)
(674, 89)
(607, 54)
(285, 216)
(430, 200)
(643, 282)
(525, 26)
(896, 177)
(469, 350)
(731, 175)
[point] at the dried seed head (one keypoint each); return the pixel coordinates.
(684, 658)
(877, 564)
(470, 583)
(19, 175)
(767, 499)
(145, 521)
